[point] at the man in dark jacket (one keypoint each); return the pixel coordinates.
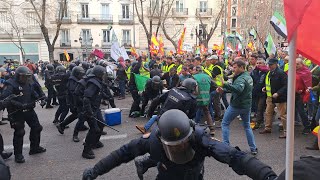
(276, 90)
(172, 78)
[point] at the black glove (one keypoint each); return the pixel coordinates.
(88, 174)
(43, 103)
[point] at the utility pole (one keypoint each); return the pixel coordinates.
(134, 28)
(225, 27)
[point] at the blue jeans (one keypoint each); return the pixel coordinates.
(229, 116)
(151, 121)
(224, 100)
(122, 87)
(211, 104)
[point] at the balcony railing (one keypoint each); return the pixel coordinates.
(180, 12)
(32, 32)
(204, 12)
(105, 44)
(124, 20)
(126, 42)
(65, 43)
(154, 12)
(95, 19)
(64, 20)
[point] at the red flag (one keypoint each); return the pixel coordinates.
(303, 16)
(134, 52)
(98, 53)
(161, 46)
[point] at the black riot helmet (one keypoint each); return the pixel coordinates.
(176, 133)
(78, 72)
(190, 84)
(22, 74)
(60, 69)
(98, 71)
(77, 62)
(156, 80)
(85, 65)
(71, 66)
(50, 67)
(88, 71)
(102, 63)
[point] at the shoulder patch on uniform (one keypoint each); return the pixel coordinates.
(146, 136)
(213, 138)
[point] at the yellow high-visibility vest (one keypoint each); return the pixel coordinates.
(219, 78)
(286, 67)
(268, 85)
(206, 71)
(179, 68)
(143, 71)
(171, 66)
(128, 72)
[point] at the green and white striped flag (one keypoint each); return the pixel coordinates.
(270, 46)
(253, 33)
(114, 37)
(279, 24)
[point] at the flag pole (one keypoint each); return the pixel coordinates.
(291, 107)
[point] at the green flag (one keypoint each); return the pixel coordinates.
(270, 46)
(279, 24)
(140, 81)
(253, 33)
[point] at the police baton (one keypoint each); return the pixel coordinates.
(104, 124)
(23, 109)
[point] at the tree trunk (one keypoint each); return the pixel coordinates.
(51, 53)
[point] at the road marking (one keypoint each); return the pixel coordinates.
(120, 136)
(11, 146)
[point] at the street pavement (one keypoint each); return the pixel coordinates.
(63, 159)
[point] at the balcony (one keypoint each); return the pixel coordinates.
(32, 33)
(126, 43)
(105, 44)
(95, 19)
(65, 44)
(204, 12)
(64, 20)
(180, 12)
(6, 33)
(125, 20)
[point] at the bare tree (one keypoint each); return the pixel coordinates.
(155, 13)
(206, 35)
(16, 28)
(164, 28)
(41, 8)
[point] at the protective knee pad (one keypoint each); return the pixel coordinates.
(38, 129)
(19, 132)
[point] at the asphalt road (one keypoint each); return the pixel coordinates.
(63, 157)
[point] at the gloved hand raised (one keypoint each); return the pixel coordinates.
(88, 174)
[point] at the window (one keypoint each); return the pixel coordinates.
(234, 11)
(105, 11)
(203, 6)
(126, 36)
(106, 36)
(125, 11)
(65, 35)
(86, 35)
(85, 10)
(3, 19)
(31, 20)
(201, 31)
(179, 6)
(63, 11)
(233, 23)
(234, 1)
(155, 6)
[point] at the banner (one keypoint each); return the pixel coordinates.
(270, 46)
(140, 81)
(180, 42)
(115, 51)
(66, 55)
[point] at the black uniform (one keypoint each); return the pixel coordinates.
(203, 145)
(21, 110)
(133, 89)
(176, 98)
(93, 95)
(4, 170)
(49, 85)
(150, 93)
(60, 84)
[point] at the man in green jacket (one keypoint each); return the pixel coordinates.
(240, 103)
(203, 96)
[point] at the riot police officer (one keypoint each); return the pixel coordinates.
(92, 97)
(135, 107)
(60, 79)
(177, 98)
(21, 110)
(77, 74)
(180, 148)
(49, 72)
(85, 65)
(153, 89)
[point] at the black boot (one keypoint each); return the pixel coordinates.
(37, 150)
(75, 137)
(87, 153)
(6, 155)
(19, 158)
(60, 129)
(98, 145)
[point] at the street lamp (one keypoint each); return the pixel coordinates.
(86, 44)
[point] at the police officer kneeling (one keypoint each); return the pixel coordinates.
(21, 110)
(180, 148)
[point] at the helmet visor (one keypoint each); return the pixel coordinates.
(24, 78)
(179, 152)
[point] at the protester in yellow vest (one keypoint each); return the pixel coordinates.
(128, 69)
(144, 69)
(286, 64)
